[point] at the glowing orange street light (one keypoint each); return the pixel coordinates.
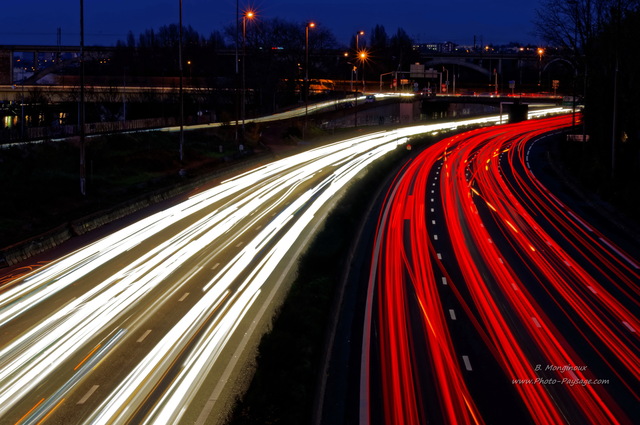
(358, 34)
(306, 72)
(540, 53)
(362, 57)
(249, 14)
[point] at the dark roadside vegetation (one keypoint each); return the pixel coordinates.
(599, 45)
(41, 186)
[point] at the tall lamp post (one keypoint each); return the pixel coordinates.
(540, 53)
(362, 56)
(306, 71)
(181, 86)
(358, 54)
(237, 71)
(83, 167)
(358, 34)
(249, 14)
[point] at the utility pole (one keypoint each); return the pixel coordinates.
(237, 70)
(83, 167)
(181, 87)
(306, 74)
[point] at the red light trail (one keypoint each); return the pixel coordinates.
(535, 281)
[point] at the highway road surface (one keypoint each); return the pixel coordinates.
(155, 322)
(492, 301)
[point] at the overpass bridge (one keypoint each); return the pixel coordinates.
(517, 106)
(528, 69)
(45, 59)
(497, 99)
(526, 66)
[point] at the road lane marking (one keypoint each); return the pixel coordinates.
(629, 326)
(87, 356)
(444, 280)
(435, 237)
(186, 294)
(452, 314)
(30, 410)
(215, 266)
(88, 394)
(535, 321)
(144, 335)
(467, 363)
(579, 220)
(617, 251)
(239, 244)
(51, 412)
(439, 256)
(433, 222)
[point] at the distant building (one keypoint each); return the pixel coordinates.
(445, 47)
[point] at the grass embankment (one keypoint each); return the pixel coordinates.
(590, 165)
(283, 389)
(41, 185)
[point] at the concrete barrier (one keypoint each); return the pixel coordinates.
(21, 251)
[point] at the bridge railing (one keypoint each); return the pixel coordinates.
(16, 134)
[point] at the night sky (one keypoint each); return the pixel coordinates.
(495, 22)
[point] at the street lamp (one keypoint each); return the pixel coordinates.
(358, 34)
(249, 14)
(362, 57)
(306, 70)
(306, 47)
(346, 56)
(181, 86)
(540, 53)
(83, 168)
